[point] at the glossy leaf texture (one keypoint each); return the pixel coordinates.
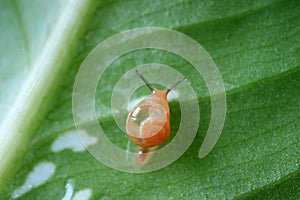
(256, 46)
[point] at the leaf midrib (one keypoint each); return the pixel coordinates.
(35, 90)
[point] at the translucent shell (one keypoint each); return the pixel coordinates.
(148, 124)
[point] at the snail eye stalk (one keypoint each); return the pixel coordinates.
(150, 86)
(176, 84)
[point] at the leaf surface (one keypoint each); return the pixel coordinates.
(256, 46)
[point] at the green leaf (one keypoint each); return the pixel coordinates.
(256, 46)
(38, 41)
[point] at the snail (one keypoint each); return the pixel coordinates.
(148, 123)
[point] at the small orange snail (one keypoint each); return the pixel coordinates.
(148, 123)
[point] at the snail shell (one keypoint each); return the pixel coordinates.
(148, 123)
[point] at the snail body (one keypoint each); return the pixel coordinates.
(148, 123)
